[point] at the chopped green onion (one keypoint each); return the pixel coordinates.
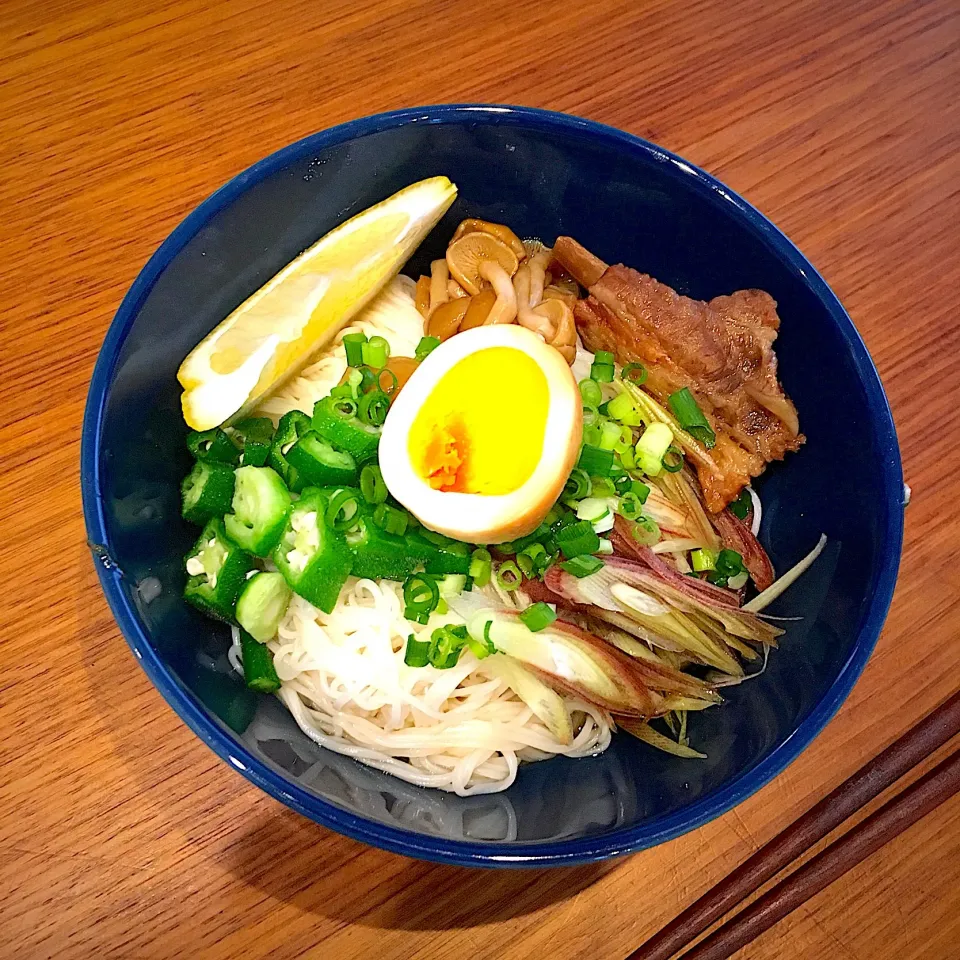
(533, 559)
(509, 576)
(593, 509)
(591, 434)
(673, 459)
(374, 407)
(538, 616)
(590, 392)
(741, 506)
(622, 408)
(595, 460)
(481, 567)
(452, 584)
(703, 560)
(417, 652)
(368, 378)
(591, 415)
(578, 484)
(355, 379)
(645, 531)
(343, 390)
(636, 373)
(651, 447)
(426, 346)
(420, 596)
(372, 487)
(729, 563)
(578, 538)
(603, 356)
(691, 417)
(626, 454)
(582, 566)
(478, 649)
(553, 515)
(609, 435)
(376, 352)
(446, 644)
(353, 344)
(603, 487)
(602, 372)
(342, 510)
(630, 506)
(390, 519)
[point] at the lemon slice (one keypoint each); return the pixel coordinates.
(274, 331)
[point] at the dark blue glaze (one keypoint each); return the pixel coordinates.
(627, 200)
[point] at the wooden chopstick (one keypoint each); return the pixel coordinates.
(895, 816)
(936, 729)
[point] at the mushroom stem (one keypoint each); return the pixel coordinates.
(565, 338)
(505, 308)
(455, 291)
(538, 264)
(525, 314)
(439, 275)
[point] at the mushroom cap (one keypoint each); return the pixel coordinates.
(464, 257)
(503, 233)
(445, 320)
(479, 309)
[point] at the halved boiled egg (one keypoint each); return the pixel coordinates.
(480, 442)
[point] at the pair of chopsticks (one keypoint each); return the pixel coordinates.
(895, 816)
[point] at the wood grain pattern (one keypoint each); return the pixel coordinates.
(121, 834)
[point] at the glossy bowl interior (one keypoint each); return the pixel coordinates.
(629, 201)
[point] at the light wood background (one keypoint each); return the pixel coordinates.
(121, 835)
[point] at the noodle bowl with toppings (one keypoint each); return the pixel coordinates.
(491, 516)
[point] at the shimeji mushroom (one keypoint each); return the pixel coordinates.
(490, 276)
(466, 257)
(422, 297)
(445, 321)
(479, 309)
(561, 316)
(504, 309)
(538, 259)
(526, 315)
(502, 233)
(439, 275)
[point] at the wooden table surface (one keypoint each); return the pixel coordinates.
(121, 835)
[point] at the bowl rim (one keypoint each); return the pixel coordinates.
(396, 839)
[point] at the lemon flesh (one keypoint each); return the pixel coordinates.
(273, 332)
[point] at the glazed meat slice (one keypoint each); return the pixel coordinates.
(721, 350)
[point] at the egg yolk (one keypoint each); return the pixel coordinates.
(481, 428)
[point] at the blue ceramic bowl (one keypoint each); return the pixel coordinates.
(627, 200)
